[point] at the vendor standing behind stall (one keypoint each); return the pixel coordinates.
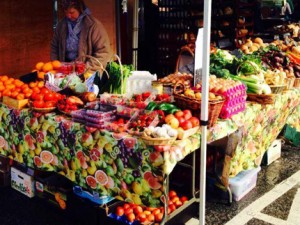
(79, 34)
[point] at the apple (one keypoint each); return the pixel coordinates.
(187, 114)
(173, 122)
(195, 121)
(186, 125)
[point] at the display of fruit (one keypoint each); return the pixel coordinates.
(251, 45)
(44, 67)
(173, 78)
(44, 98)
(69, 104)
(131, 212)
(17, 89)
(140, 100)
(88, 96)
(182, 119)
(142, 120)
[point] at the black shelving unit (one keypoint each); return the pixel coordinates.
(179, 21)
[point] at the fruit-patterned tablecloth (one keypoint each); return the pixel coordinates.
(261, 124)
(112, 164)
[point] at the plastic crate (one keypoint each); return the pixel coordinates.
(243, 183)
(292, 135)
(273, 152)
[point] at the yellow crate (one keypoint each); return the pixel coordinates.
(14, 103)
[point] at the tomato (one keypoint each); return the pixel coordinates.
(142, 217)
(130, 217)
(126, 206)
(159, 217)
(120, 211)
(186, 125)
(172, 194)
(36, 96)
(128, 211)
(178, 203)
(180, 120)
(195, 121)
(49, 104)
(187, 114)
(150, 218)
(38, 104)
(57, 96)
(138, 209)
(44, 90)
(183, 199)
(49, 96)
(155, 211)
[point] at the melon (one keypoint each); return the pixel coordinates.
(130, 142)
(153, 183)
(2, 142)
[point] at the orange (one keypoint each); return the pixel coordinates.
(32, 84)
(39, 66)
(56, 64)
(2, 88)
(53, 71)
(27, 95)
(24, 86)
(10, 86)
(36, 90)
(41, 75)
(26, 90)
(7, 82)
(6, 92)
(14, 94)
(40, 84)
(20, 96)
(47, 67)
(18, 83)
(4, 78)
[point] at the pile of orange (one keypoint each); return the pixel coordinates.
(17, 89)
(44, 67)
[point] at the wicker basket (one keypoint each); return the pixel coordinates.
(297, 82)
(289, 81)
(157, 141)
(277, 89)
(184, 102)
(261, 99)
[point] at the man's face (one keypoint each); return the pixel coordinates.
(72, 14)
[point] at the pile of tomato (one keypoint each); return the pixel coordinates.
(145, 215)
(44, 98)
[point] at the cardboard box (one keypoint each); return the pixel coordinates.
(292, 135)
(243, 183)
(22, 182)
(5, 163)
(49, 186)
(14, 103)
(4, 178)
(273, 153)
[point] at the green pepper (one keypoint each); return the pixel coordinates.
(172, 111)
(151, 106)
(166, 106)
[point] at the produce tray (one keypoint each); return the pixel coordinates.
(183, 134)
(157, 141)
(289, 81)
(297, 82)
(261, 99)
(14, 103)
(277, 89)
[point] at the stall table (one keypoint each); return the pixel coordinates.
(123, 166)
